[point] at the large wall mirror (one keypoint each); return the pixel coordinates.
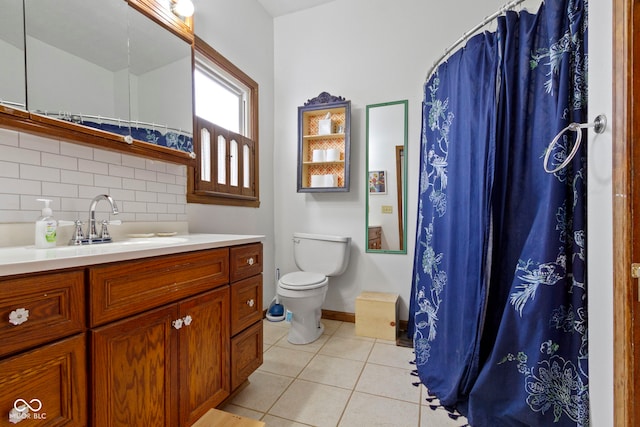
(98, 64)
(12, 74)
(387, 129)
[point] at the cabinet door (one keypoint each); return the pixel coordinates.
(135, 366)
(48, 384)
(204, 354)
(246, 354)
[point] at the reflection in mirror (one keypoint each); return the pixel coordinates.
(160, 80)
(103, 64)
(12, 74)
(386, 177)
(77, 59)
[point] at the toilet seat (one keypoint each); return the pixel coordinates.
(303, 280)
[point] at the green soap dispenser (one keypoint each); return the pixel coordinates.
(46, 227)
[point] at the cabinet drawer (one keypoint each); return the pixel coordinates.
(42, 307)
(246, 354)
(245, 261)
(51, 379)
(125, 288)
(246, 303)
(375, 232)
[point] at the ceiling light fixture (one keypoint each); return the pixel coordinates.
(183, 8)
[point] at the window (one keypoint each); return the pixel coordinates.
(225, 132)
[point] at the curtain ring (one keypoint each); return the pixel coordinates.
(599, 125)
(574, 127)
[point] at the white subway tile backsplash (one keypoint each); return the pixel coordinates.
(145, 175)
(9, 137)
(19, 155)
(165, 177)
(20, 186)
(39, 173)
(110, 157)
(134, 162)
(38, 143)
(157, 187)
(122, 171)
(108, 181)
(9, 170)
(59, 189)
(88, 192)
(135, 207)
(157, 207)
(58, 161)
(9, 202)
(176, 208)
(75, 177)
(76, 150)
(133, 184)
(146, 217)
(155, 165)
(167, 198)
(121, 195)
(179, 170)
(177, 189)
(72, 175)
(92, 166)
(146, 196)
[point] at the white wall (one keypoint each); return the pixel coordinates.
(373, 51)
(242, 31)
(369, 51)
(600, 229)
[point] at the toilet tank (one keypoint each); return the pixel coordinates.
(328, 255)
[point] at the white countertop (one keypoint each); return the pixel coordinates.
(28, 259)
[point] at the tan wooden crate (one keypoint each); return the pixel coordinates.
(377, 315)
(217, 418)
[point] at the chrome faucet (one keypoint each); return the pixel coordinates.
(93, 233)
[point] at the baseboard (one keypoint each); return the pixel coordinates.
(339, 315)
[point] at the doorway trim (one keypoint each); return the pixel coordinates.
(626, 129)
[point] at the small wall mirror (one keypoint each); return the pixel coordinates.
(386, 128)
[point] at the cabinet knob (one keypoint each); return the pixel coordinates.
(251, 302)
(19, 413)
(177, 324)
(19, 316)
(187, 320)
(250, 261)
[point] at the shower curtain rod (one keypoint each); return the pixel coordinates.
(469, 33)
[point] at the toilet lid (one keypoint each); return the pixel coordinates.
(301, 280)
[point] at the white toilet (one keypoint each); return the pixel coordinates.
(302, 292)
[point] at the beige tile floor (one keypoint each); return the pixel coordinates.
(339, 380)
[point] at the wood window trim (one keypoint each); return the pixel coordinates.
(207, 196)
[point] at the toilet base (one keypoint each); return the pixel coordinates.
(305, 329)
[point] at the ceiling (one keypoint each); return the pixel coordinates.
(282, 7)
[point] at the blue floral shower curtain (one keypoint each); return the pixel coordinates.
(499, 285)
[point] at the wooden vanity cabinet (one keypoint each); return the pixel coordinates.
(168, 366)
(43, 350)
(194, 344)
(170, 338)
(160, 369)
(246, 312)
